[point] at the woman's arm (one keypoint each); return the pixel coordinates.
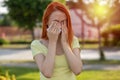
(46, 63)
(73, 58)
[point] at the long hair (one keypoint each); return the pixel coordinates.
(50, 8)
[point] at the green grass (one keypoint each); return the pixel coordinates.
(15, 46)
(99, 75)
(22, 73)
(107, 62)
(19, 46)
(112, 62)
(89, 46)
(33, 74)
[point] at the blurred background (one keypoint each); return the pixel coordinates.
(95, 22)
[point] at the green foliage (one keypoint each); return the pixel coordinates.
(113, 30)
(62, 1)
(118, 44)
(20, 42)
(26, 12)
(22, 73)
(33, 74)
(3, 41)
(6, 21)
(88, 41)
(7, 76)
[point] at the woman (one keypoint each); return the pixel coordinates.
(57, 53)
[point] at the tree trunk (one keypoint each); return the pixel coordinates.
(102, 57)
(106, 41)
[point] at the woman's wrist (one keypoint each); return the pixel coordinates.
(65, 45)
(52, 42)
(66, 48)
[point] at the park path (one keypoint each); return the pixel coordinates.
(86, 54)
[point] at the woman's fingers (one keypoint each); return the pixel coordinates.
(58, 27)
(54, 28)
(52, 23)
(64, 31)
(50, 28)
(57, 30)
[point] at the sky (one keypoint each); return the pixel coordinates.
(2, 9)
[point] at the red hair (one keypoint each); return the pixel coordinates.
(50, 8)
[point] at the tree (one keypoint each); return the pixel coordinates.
(113, 30)
(83, 8)
(62, 1)
(98, 13)
(115, 17)
(92, 11)
(5, 21)
(26, 12)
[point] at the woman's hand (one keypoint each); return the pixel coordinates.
(64, 34)
(53, 31)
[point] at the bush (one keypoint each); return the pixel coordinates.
(6, 76)
(86, 41)
(3, 41)
(6, 21)
(20, 42)
(114, 31)
(118, 44)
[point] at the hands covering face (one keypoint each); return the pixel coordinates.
(55, 28)
(64, 35)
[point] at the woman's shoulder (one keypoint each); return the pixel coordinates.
(40, 42)
(35, 42)
(75, 38)
(37, 47)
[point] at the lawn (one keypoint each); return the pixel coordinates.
(106, 62)
(99, 75)
(33, 74)
(15, 46)
(22, 46)
(21, 73)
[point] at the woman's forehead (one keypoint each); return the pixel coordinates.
(58, 15)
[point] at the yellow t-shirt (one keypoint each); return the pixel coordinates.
(61, 68)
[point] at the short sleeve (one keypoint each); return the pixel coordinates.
(38, 48)
(75, 43)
